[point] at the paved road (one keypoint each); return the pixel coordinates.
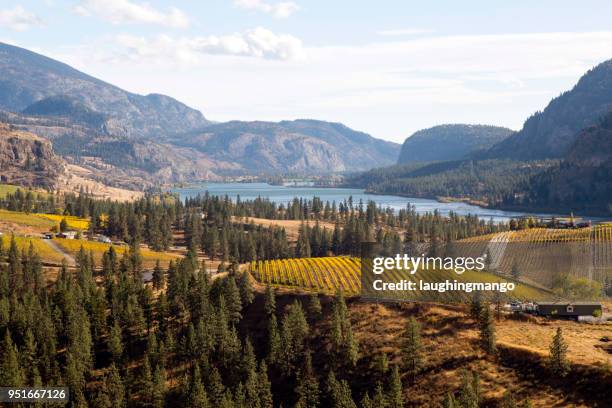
(69, 258)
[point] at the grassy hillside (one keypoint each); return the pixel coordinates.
(149, 257)
(46, 252)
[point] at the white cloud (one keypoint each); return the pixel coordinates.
(405, 31)
(281, 9)
(126, 11)
(19, 19)
(258, 42)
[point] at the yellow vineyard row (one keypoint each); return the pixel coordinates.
(317, 274)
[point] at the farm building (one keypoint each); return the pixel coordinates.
(67, 235)
(569, 309)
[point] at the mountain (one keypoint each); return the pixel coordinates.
(583, 179)
(27, 159)
(27, 78)
(449, 142)
(551, 132)
(290, 146)
(154, 137)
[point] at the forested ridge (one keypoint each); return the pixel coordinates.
(182, 339)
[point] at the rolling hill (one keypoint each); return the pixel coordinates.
(449, 142)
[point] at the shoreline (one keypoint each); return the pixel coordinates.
(535, 212)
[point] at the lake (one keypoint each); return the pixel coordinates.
(285, 194)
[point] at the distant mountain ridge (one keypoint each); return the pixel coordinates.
(583, 180)
(90, 121)
(26, 78)
(560, 161)
(450, 142)
(551, 132)
(301, 145)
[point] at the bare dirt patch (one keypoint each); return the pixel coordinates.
(292, 227)
(77, 178)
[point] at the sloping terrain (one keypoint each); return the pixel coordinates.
(290, 146)
(139, 136)
(27, 159)
(551, 132)
(449, 142)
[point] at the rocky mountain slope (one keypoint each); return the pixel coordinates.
(551, 132)
(156, 137)
(27, 159)
(449, 142)
(583, 179)
(34, 83)
(289, 146)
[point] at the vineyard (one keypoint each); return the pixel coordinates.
(540, 255)
(329, 274)
(313, 274)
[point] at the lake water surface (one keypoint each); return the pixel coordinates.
(284, 195)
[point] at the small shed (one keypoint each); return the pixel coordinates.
(67, 235)
(569, 309)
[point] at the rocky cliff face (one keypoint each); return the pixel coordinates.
(27, 159)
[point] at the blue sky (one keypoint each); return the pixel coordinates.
(388, 67)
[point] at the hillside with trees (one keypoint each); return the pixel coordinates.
(450, 142)
(558, 162)
(551, 132)
(193, 337)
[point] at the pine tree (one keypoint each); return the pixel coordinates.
(232, 297)
(352, 347)
(11, 374)
(216, 389)
(379, 399)
(412, 353)
(476, 306)
(557, 360)
(248, 361)
(382, 363)
(115, 342)
(274, 340)
(396, 396)
(265, 387)
(270, 301)
(252, 390)
(307, 385)
(469, 395)
(197, 397)
(314, 306)
(339, 392)
(487, 331)
(246, 289)
(158, 276)
(158, 392)
(115, 388)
